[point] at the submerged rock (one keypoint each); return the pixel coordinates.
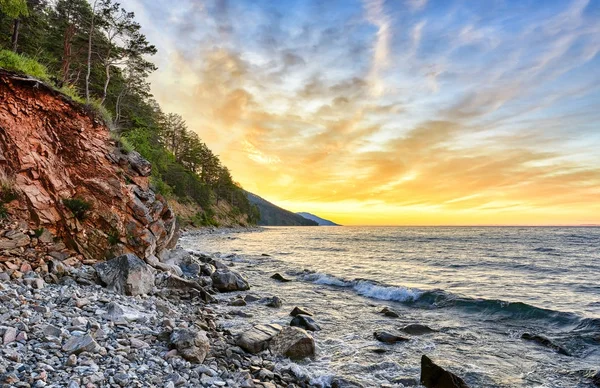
(389, 313)
(417, 329)
(342, 382)
(541, 340)
(280, 277)
(257, 339)
(274, 302)
(305, 322)
(388, 338)
(190, 344)
(434, 376)
(596, 379)
(294, 343)
(227, 281)
(126, 274)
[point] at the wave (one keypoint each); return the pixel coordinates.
(437, 299)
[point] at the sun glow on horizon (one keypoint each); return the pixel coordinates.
(394, 113)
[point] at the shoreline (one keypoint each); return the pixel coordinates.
(79, 333)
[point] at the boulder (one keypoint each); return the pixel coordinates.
(389, 313)
(117, 312)
(294, 343)
(257, 339)
(388, 338)
(126, 274)
(190, 344)
(305, 322)
(281, 278)
(76, 345)
(300, 310)
(417, 329)
(434, 376)
(543, 341)
(227, 281)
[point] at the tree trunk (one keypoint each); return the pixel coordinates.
(105, 93)
(89, 57)
(66, 60)
(15, 34)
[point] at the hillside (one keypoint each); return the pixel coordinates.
(317, 219)
(273, 215)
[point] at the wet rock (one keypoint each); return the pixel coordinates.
(417, 329)
(280, 277)
(305, 322)
(257, 339)
(126, 274)
(406, 381)
(300, 310)
(239, 302)
(76, 345)
(389, 313)
(190, 344)
(251, 298)
(227, 281)
(434, 376)
(274, 302)
(342, 382)
(294, 343)
(596, 379)
(388, 338)
(543, 341)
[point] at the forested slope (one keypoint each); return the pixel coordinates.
(97, 54)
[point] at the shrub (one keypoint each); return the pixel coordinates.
(22, 64)
(96, 106)
(70, 91)
(78, 207)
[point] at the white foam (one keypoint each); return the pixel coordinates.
(375, 291)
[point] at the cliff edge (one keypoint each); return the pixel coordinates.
(63, 176)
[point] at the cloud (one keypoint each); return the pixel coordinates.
(427, 116)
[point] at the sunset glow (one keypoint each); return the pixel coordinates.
(395, 112)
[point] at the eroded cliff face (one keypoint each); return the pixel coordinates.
(52, 149)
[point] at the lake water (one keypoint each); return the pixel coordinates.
(481, 288)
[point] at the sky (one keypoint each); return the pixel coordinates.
(397, 112)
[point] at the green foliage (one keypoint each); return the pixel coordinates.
(79, 207)
(105, 114)
(126, 145)
(70, 91)
(113, 237)
(38, 232)
(14, 9)
(22, 64)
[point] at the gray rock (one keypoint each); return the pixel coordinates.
(389, 313)
(139, 164)
(126, 274)
(305, 322)
(274, 302)
(51, 331)
(434, 376)
(227, 280)
(417, 329)
(388, 338)
(76, 345)
(294, 343)
(117, 312)
(281, 278)
(10, 335)
(257, 339)
(192, 345)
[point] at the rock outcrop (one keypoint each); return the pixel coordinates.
(294, 343)
(71, 178)
(434, 376)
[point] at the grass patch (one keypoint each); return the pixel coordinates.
(71, 91)
(78, 207)
(100, 109)
(24, 65)
(113, 237)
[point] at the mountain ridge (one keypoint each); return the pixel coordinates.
(317, 219)
(273, 215)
